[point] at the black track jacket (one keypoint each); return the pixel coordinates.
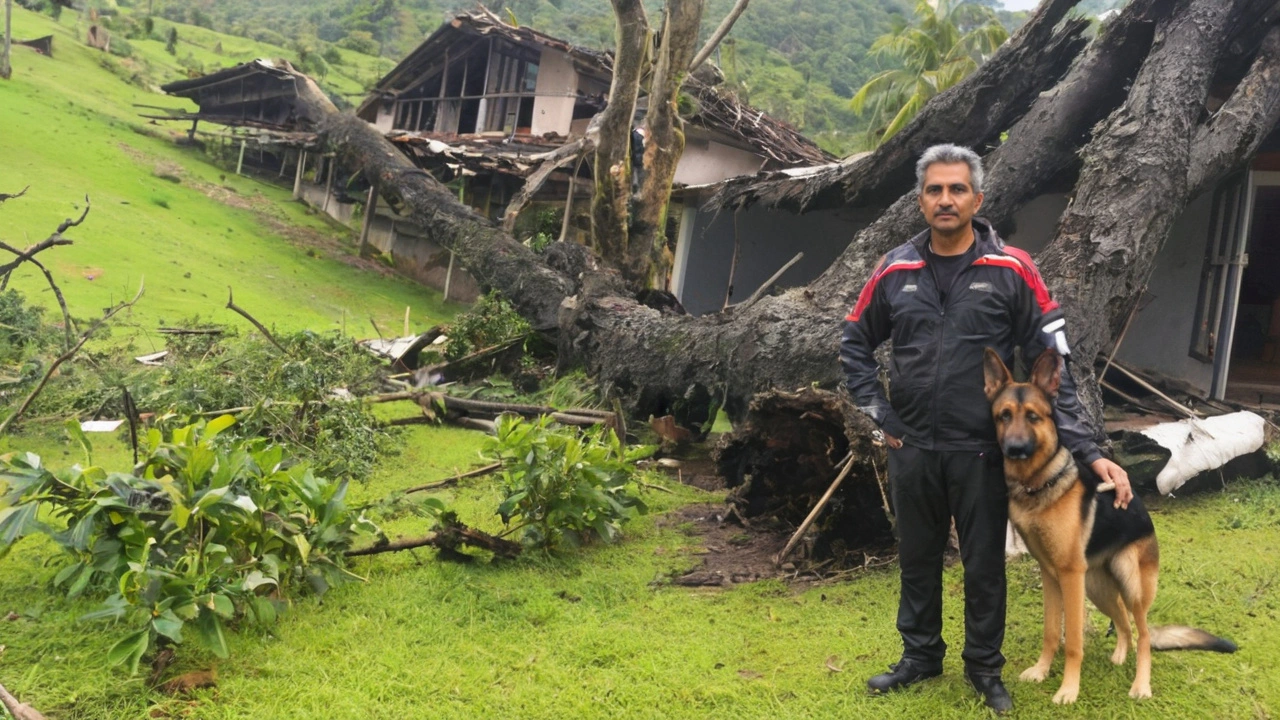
(935, 376)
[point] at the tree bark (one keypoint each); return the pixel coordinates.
(974, 112)
(719, 34)
(665, 142)
(6, 70)
(1133, 185)
(612, 169)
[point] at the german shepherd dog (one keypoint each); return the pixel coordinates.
(1084, 544)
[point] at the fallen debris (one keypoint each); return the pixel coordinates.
(1200, 444)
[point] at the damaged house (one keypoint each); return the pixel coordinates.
(476, 105)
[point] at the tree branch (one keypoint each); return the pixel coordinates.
(65, 357)
(19, 711)
(19, 194)
(551, 161)
(716, 37)
(51, 241)
(1234, 133)
(266, 333)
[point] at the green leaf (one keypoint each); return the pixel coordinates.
(304, 547)
(221, 604)
(130, 649)
(210, 633)
(15, 522)
(77, 433)
(169, 625)
(217, 425)
(255, 580)
(264, 610)
(180, 515)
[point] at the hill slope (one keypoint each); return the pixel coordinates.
(163, 212)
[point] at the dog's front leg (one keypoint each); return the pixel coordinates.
(1072, 582)
(1052, 628)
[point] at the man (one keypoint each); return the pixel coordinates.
(941, 298)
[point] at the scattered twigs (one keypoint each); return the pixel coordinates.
(67, 356)
(189, 331)
(51, 241)
(448, 538)
(1183, 409)
(239, 310)
(813, 514)
(481, 354)
(68, 326)
(485, 470)
(20, 193)
(19, 711)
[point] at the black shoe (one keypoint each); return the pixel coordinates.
(992, 690)
(900, 675)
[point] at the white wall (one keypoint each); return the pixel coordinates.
(557, 90)
(386, 117)
(707, 161)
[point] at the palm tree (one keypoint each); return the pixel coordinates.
(947, 41)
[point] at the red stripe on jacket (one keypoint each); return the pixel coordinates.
(1020, 262)
(864, 298)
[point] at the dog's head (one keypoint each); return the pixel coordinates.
(1023, 412)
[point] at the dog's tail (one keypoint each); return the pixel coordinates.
(1180, 637)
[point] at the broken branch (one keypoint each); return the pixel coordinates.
(551, 161)
(447, 539)
(65, 357)
(723, 29)
(452, 480)
(19, 711)
(7, 196)
(813, 514)
(232, 306)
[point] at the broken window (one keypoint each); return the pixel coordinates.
(487, 86)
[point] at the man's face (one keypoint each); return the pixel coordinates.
(947, 199)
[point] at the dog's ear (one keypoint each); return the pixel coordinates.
(1046, 374)
(995, 374)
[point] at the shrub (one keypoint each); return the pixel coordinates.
(490, 321)
(564, 486)
(207, 531)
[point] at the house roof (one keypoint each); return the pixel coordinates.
(718, 110)
(258, 93)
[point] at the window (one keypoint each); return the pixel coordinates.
(486, 86)
(1224, 251)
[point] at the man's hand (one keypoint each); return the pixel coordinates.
(895, 443)
(1112, 473)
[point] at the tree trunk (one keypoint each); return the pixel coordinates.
(612, 169)
(665, 142)
(6, 70)
(1134, 184)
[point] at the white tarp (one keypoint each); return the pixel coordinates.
(1204, 444)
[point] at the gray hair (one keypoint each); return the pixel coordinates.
(948, 153)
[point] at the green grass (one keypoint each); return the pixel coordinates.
(590, 635)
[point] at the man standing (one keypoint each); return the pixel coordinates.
(941, 298)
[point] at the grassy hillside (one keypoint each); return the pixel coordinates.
(68, 129)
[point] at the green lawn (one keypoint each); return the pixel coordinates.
(585, 635)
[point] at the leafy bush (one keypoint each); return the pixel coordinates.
(202, 534)
(295, 397)
(490, 321)
(22, 328)
(564, 486)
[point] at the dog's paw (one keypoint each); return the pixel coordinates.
(1140, 691)
(1035, 673)
(1066, 695)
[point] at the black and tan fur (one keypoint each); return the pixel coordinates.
(1084, 544)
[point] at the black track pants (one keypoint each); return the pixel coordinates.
(928, 488)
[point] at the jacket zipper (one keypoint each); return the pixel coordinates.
(937, 353)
